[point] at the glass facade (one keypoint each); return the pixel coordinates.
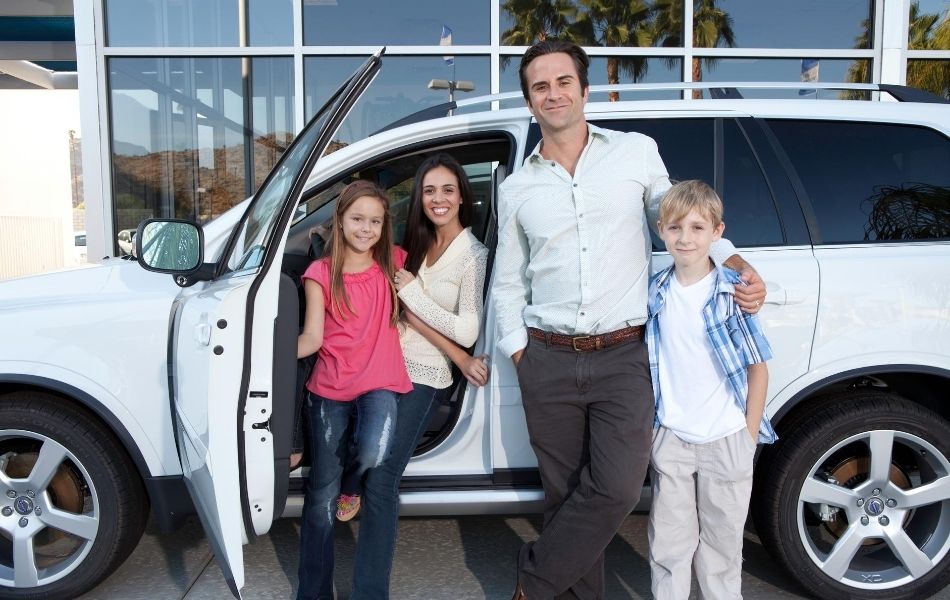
(401, 88)
(375, 23)
(802, 24)
(203, 97)
(929, 25)
(171, 23)
(192, 137)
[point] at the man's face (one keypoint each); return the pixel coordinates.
(555, 96)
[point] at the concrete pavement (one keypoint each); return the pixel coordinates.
(436, 558)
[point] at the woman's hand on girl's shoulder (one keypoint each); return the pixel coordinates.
(402, 278)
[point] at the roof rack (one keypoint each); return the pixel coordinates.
(731, 89)
(718, 91)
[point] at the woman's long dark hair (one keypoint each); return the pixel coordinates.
(420, 232)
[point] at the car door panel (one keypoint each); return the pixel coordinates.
(224, 345)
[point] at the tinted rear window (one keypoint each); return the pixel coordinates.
(871, 181)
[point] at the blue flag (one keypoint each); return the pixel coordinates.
(446, 40)
(809, 74)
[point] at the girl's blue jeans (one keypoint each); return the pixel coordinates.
(379, 514)
(366, 427)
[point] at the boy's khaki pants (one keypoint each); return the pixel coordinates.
(700, 500)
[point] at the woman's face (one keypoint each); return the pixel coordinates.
(441, 197)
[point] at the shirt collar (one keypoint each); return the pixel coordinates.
(724, 283)
(593, 131)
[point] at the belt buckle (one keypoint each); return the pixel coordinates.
(575, 339)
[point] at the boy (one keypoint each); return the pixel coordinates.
(707, 362)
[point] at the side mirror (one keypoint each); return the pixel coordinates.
(172, 246)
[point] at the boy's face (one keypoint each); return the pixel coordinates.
(688, 239)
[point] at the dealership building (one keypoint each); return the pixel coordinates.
(185, 105)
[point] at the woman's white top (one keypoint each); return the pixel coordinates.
(447, 296)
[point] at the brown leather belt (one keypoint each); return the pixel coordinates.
(588, 343)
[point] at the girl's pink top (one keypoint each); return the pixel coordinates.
(361, 352)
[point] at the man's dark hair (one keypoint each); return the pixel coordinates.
(577, 54)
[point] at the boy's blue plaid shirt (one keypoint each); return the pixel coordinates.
(736, 337)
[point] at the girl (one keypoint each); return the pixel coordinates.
(441, 292)
(350, 321)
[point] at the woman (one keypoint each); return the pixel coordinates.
(441, 292)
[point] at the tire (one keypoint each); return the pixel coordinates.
(81, 481)
(835, 502)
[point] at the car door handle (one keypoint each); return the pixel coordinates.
(203, 334)
(780, 296)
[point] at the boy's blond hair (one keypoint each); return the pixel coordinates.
(690, 195)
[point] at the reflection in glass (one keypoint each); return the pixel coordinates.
(929, 25)
(270, 22)
(256, 229)
(375, 23)
(789, 69)
(930, 75)
(908, 212)
(171, 246)
(182, 146)
(593, 22)
(171, 23)
(636, 24)
(716, 23)
(803, 24)
(399, 90)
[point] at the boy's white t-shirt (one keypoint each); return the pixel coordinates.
(697, 403)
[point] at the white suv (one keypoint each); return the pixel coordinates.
(122, 389)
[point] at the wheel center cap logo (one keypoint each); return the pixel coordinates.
(874, 506)
(23, 505)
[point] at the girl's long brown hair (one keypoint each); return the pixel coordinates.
(382, 250)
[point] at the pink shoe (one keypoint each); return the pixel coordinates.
(347, 506)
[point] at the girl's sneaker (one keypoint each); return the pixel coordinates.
(347, 506)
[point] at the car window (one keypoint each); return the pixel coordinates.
(395, 175)
(688, 149)
(871, 181)
(750, 215)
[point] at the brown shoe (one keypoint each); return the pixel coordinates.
(519, 593)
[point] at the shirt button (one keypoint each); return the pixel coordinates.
(583, 313)
(580, 216)
(584, 249)
(575, 185)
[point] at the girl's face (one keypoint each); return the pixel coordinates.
(363, 224)
(440, 196)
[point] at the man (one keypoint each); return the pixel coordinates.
(570, 291)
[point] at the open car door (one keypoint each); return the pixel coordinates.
(222, 349)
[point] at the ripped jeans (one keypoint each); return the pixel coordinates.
(357, 435)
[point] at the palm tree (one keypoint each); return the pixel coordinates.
(921, 29)
(613, 23)
(536, 20)
(858, 71)
(712, 28)
(929, 32)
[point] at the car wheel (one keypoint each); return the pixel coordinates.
(72, 507)
(855, 502)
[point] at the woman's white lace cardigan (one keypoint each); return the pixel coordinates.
(447, 296)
